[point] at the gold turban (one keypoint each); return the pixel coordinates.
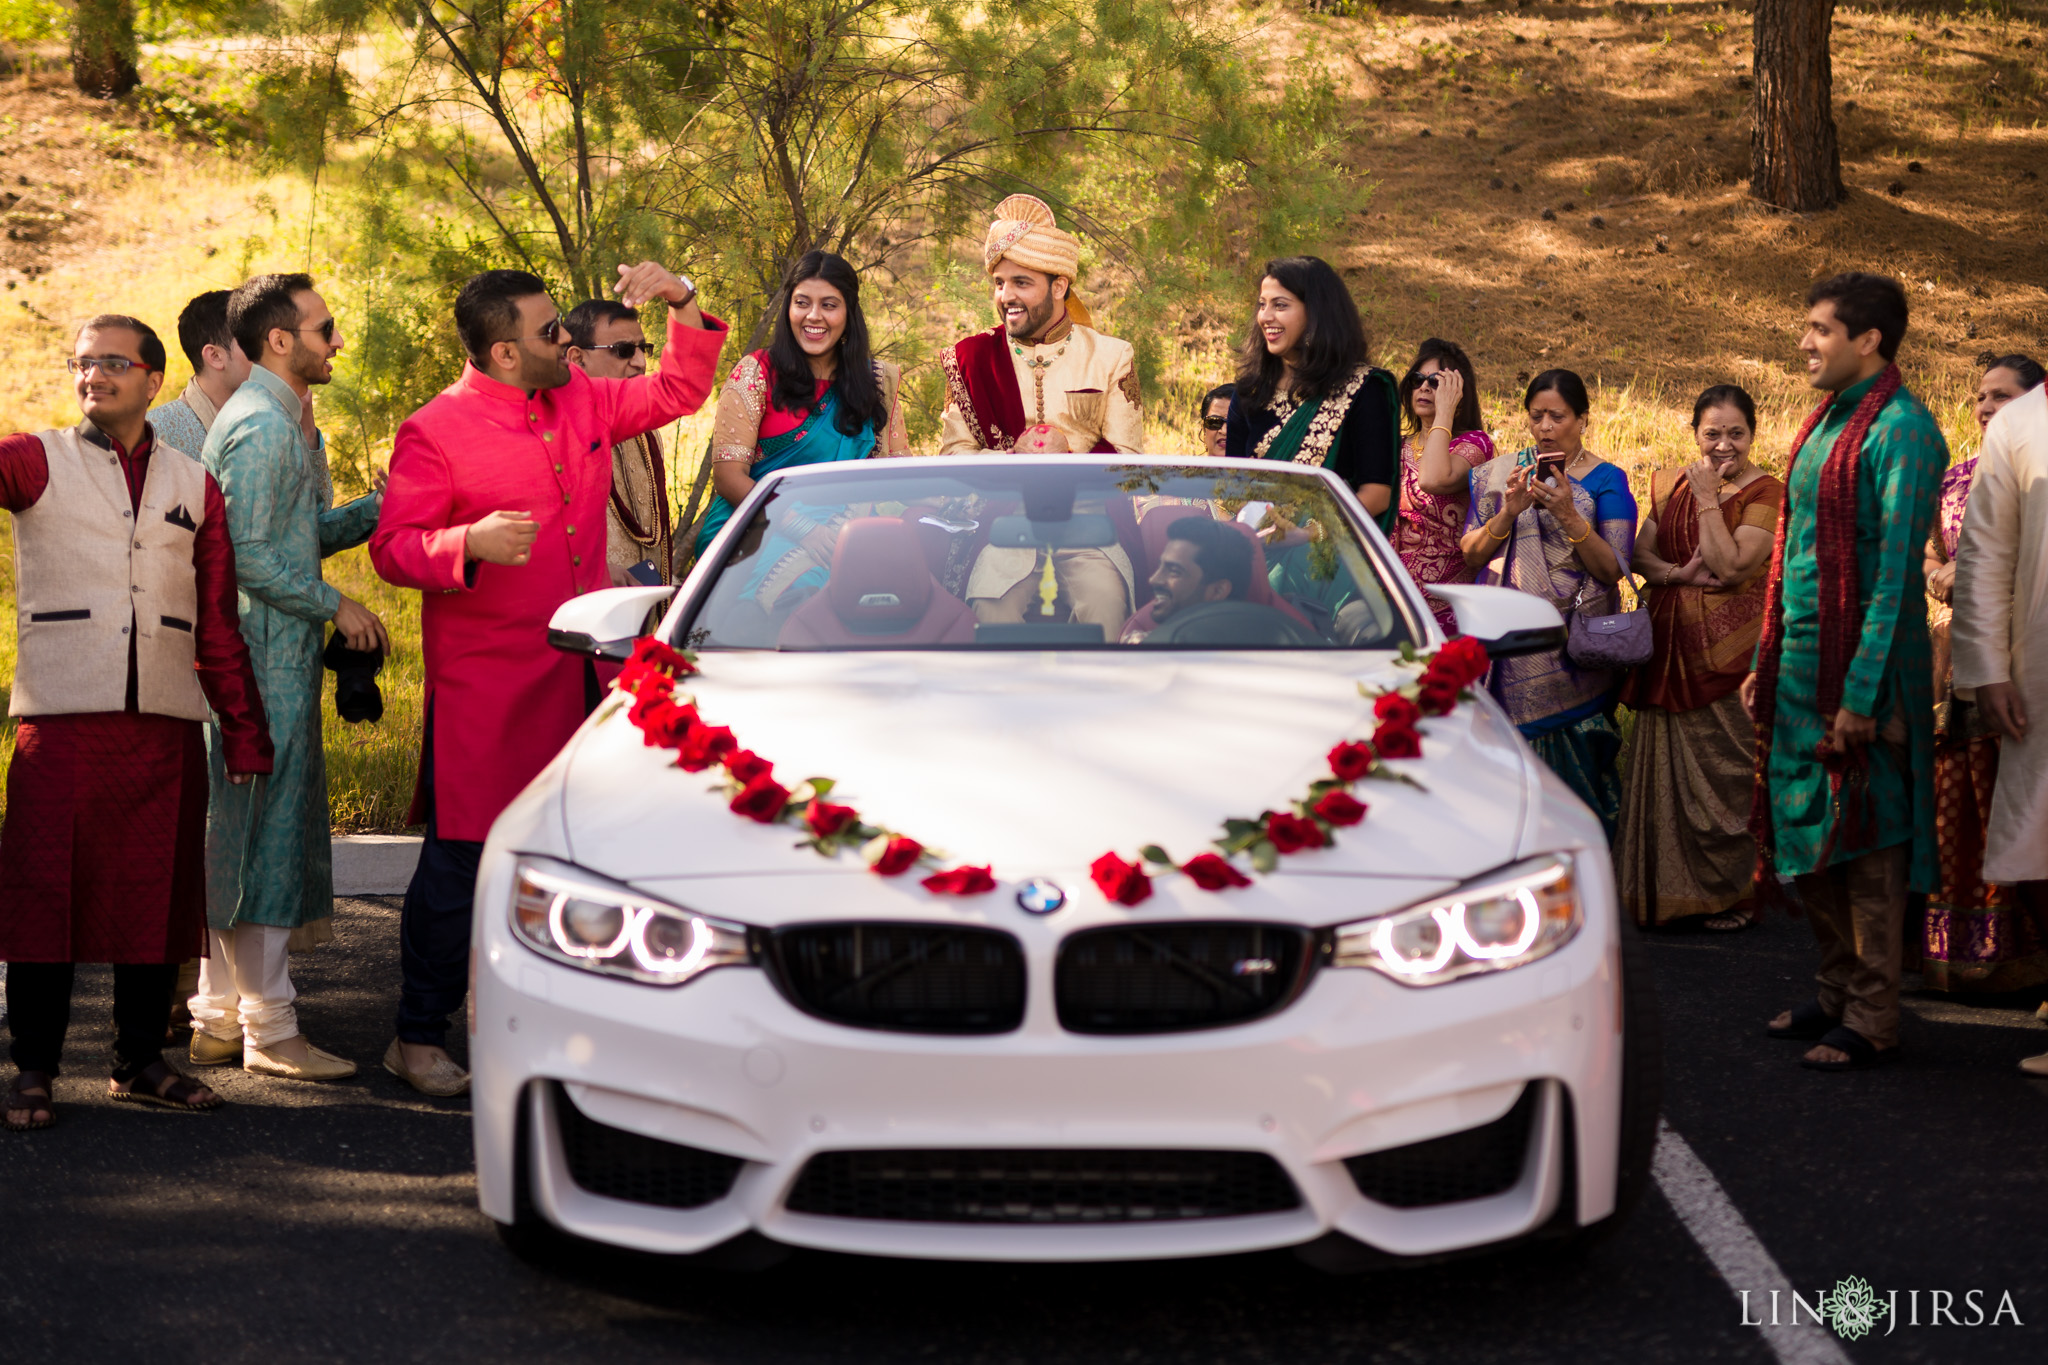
(1024, 231)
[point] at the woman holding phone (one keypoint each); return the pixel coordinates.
(1440, 402)
(1556, 520)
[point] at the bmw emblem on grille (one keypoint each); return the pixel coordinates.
(1040, 897)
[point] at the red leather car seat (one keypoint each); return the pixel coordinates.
(881, 592)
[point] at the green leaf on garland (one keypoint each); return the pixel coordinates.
(1235, 826)
(821, 786)
(1153, 853)
(1264, 856)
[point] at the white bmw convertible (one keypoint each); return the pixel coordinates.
(1054, 858)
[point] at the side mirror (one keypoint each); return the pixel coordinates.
(603, 624)
(1506, 620)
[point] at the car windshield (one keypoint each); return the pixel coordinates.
(1048, 556)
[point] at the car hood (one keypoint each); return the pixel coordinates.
(1038, 763)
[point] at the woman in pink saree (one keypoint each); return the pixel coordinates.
(1440, 402)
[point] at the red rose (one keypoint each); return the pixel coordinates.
(662, 721)
(1125, 883)
(1212, 872)
(1464, 659)
(1436, 696)
(1340, 808)
(762, 799)
(641, 679)
(703, 746)
(899, 855)
(1351, 760)
(652, 653)
(960, 881)
(1393, 708)
(827, 820)
(1395, 740)
(745, 765)
(1292, 833)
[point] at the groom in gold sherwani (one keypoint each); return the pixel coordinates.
(1042, 381)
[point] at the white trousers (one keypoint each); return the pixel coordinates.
(245, 986)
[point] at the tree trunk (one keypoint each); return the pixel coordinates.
(1794, 161)
(103, 48)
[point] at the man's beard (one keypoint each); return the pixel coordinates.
(308, 366)
(1036, 319)
(542, 372)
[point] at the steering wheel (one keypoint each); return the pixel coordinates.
(1231, 623)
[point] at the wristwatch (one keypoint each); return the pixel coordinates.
(687, 299)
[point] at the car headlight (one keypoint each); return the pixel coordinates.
(588, 922)
(1502, 920)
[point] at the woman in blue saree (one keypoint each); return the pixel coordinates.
(815, 396)
(1569, 541)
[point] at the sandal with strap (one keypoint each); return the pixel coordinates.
(1809, 1023)
(1729, 922)
(1863, 1055)
(27, 1097)
(157, 1084)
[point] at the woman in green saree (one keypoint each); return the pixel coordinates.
(814, 396)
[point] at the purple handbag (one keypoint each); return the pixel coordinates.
(1619, 640)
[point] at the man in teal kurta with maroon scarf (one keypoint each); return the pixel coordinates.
(1842, 694)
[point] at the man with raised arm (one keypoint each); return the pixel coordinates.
(1843, 692)
(496, 511)
(125, 592)
(1042, 381)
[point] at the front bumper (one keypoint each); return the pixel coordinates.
(1358, 1064)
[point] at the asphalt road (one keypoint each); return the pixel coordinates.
(338, 1223)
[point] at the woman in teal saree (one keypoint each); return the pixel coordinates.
(814, 396)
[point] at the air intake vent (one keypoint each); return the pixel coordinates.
(621, 1165)
(1474, 1164)
(1057, 1186)
(910, 978)
(1168, 978)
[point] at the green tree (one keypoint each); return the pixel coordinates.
(103, 47)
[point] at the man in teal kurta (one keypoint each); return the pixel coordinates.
(268, 858)
(1854, 857)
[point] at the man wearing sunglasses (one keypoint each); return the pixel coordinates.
(496, 513)
(605, 342)
(270, 876)
(128, 643)
(1215, 417)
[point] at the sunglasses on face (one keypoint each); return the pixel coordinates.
(1427, 381)
(626, 350)
(109, 365)
(551, 331)
(325, 329)
(1214, 423)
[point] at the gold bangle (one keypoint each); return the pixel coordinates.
(1444, 429)
(1488, 527)
(1582, 539)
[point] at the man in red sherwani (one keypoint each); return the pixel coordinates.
(496, 512)
(125, 598)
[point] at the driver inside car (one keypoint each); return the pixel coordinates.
(1203, 561)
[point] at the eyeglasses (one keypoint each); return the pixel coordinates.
(1214, 423)
(106, 364)
(325, 329)
(625, 350)
(1427, 381)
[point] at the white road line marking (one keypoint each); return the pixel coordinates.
(1724, 1235)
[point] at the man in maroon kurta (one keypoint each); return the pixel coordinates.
(125, 596)
(496, 511)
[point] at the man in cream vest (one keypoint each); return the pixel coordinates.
(125, 604)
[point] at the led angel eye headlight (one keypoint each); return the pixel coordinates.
(1504, 920)
(576, 918)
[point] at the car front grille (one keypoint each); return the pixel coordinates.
(1473, 1164)
(1056, 1186)
(621, 1165)
(1167, 978)
(909, 978)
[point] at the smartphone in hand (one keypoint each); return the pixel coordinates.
(1549, 465)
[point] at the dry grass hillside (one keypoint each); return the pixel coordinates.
(1551, 184)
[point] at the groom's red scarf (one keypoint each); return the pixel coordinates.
(1852, 823)
(981, 380)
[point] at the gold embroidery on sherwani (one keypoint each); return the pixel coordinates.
(1322, 428)
(1127, 384)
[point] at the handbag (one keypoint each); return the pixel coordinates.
(1620, 640)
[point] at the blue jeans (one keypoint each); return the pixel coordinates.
(433, 928)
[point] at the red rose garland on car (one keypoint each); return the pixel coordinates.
(651, 674)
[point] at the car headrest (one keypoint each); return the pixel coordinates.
(879, 575)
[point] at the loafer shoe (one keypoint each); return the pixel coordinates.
(2035, 1066)
(318, 1066)
(440, 1080)
(208, 1050)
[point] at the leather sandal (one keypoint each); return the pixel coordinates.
(23, 1103)
(1809, 1023)
(158, 1085)
(1863, 1054)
